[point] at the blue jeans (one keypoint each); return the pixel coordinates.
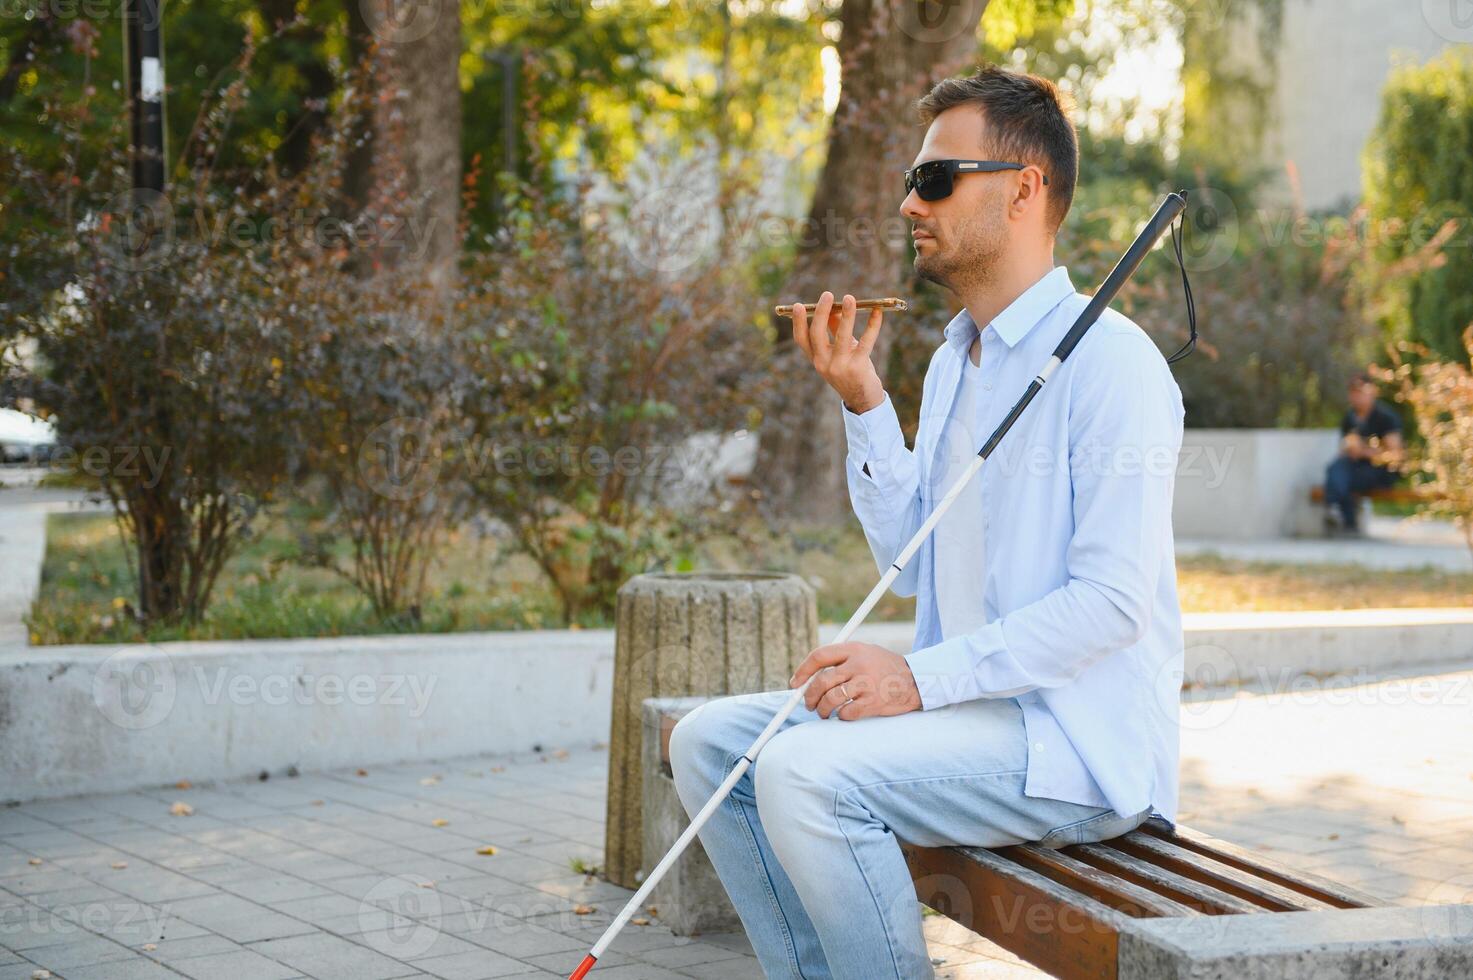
(806, 843)
(1346, 477)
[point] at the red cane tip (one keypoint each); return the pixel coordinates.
(583, 967)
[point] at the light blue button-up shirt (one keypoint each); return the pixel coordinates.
(1083, 625)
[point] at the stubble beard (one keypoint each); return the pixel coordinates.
(972, 261)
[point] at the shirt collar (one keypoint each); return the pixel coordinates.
(1020, 316)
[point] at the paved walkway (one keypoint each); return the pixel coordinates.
(378, 875)
(23, 511)
(1391, 543)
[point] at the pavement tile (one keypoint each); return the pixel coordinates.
(243, 964)
(478, 964)
(136, 968)
(326, 957)
(85, 950)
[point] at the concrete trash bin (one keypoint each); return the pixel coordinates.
(696, 633)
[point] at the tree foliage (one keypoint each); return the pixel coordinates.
(1418, 170)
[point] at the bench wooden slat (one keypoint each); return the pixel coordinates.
(1395, 495)
(1113, 890)
(1050, 925)
(1327, 890)
(1196, 895)
(1199, 867)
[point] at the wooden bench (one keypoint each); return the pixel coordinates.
(1394, 495)
(1064, 910)
(1097, 911)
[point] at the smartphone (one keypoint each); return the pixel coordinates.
(888, 303)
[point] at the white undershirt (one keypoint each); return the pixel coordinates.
(959, 541)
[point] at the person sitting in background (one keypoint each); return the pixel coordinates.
(1370, 451)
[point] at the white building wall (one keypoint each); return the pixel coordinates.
(1333, 60)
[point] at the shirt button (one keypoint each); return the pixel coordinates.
(1038, 746)
(987, 387)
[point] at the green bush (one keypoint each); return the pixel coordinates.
(208, 351)
(1418, 168)
(601, 335)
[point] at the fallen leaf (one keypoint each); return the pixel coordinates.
(363, 772)
(429, 780)
(640, 922)
(652, 909)
(498, 768)
(317, 802)
(35, 861)
(149, 947)
(582, 909)
(119, 865)
(560, 754)
(1333, 837)
(41, 975)
(184, 784)
(425, 884)
(488, 850)
(1397, 820)
(182, 809)
(440, 822)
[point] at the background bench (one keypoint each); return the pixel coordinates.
(1154, 903)
(1394, 495)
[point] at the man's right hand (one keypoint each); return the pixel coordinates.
(843, 362)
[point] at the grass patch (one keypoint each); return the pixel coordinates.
(87, 586)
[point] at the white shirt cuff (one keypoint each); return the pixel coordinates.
(874, 437)
(947, 672)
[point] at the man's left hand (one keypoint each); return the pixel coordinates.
(879, 681)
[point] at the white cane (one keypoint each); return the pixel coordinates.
(1174, 204)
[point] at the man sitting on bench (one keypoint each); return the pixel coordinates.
(1041, 700)
(1370, 449)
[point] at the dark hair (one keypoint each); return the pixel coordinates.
(1028, 124)
(1361, 378)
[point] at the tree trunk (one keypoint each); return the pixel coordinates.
(891, 52)
(416, 130)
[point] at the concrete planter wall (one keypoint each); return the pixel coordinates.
(1249, 483)
(87, 719)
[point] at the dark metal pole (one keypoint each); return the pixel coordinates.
(511, 64)
(143, 55)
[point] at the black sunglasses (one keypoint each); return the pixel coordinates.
(934, 179)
